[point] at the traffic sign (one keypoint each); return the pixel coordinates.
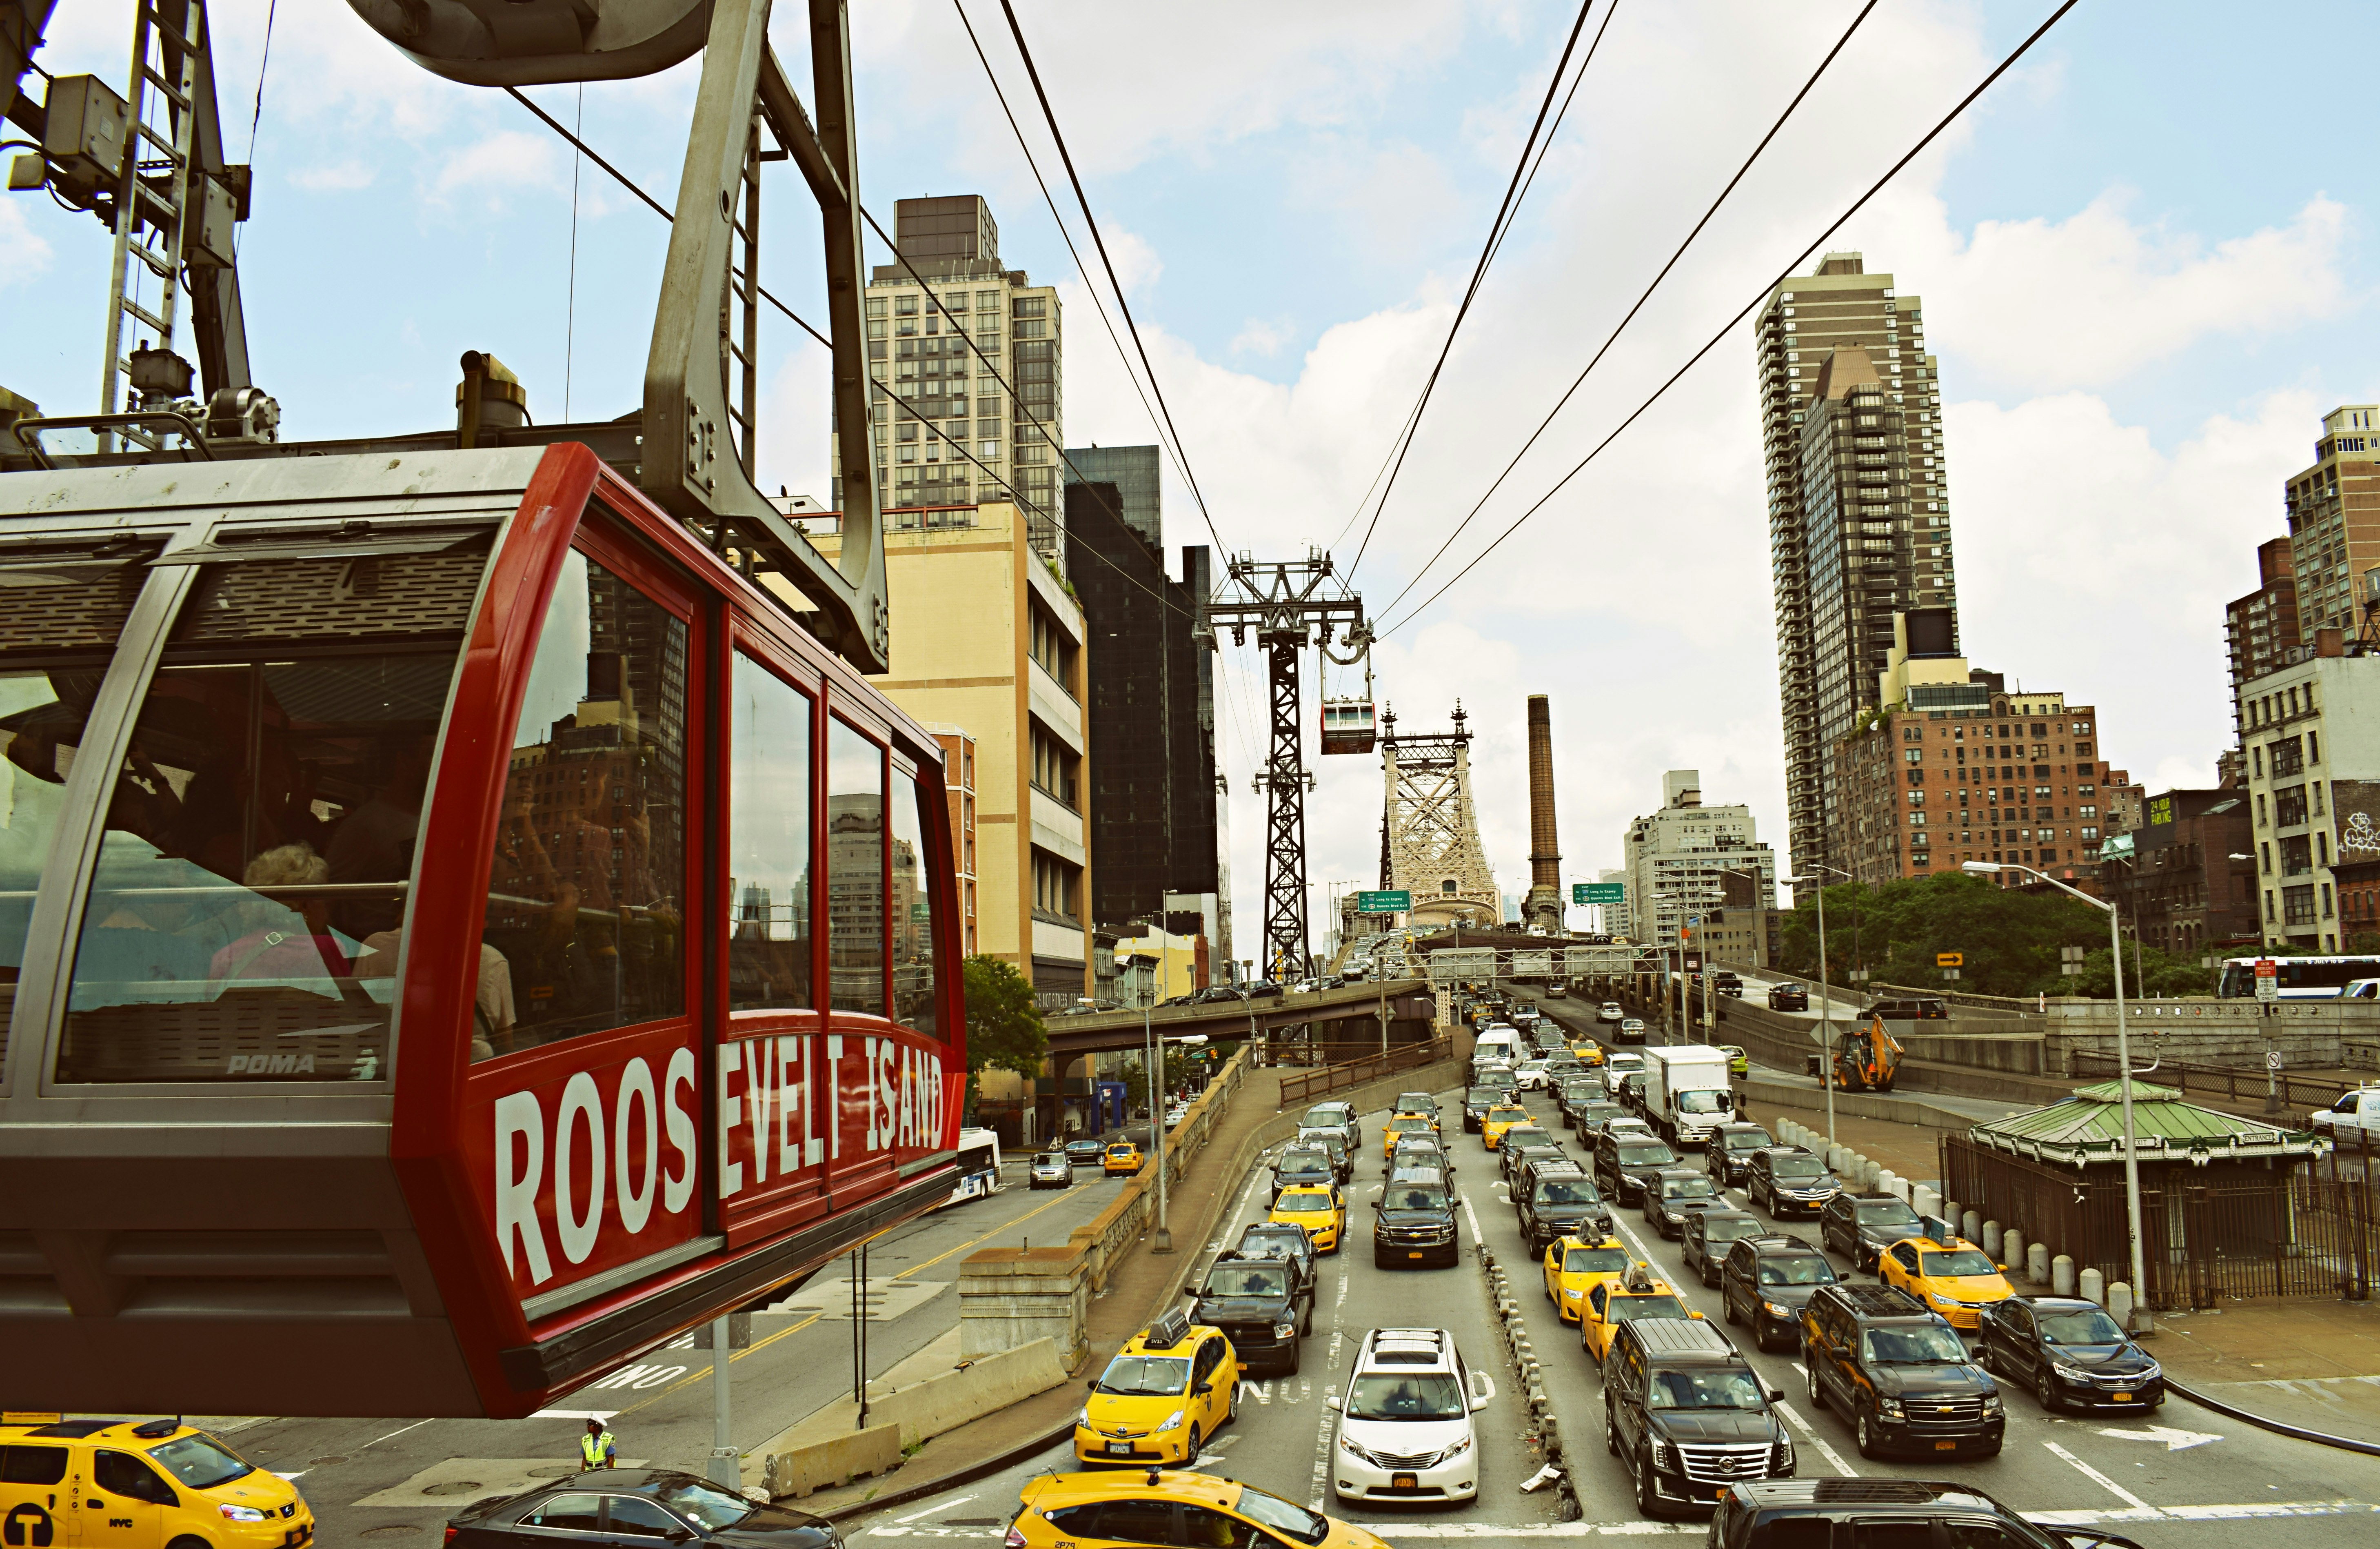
(1598, 892)
(2268, 984)
(2272, 1060)
(1950, 960)
(1395, 901)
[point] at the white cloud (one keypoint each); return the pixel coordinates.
(345, 176)
(1263, 336)
(24, 255)
(507, 159)
(1136, 262)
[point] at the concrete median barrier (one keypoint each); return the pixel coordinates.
(826, 1449)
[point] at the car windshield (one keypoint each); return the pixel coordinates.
(1326, 1114)
(1235, 1281)
(1696, 1188)
(1146, 1375)
(1595, 1261)
(1727, 1228)
(1406, 1395)
(1302, 1201)
(707, 1505)
(1634, 1152)
(1754, 1140)
(201, 1461)
(1304, 1526)
(1706, 1102)
(1567, 1191)
(1797, 1269)
(1483, 1094)
(1628, 1309)
(1955, 1263)
(2084, 1327)
(1704, 1390)
(1885, 1212)
(1795, 1166)
(1304, 1161)
(1917, 1345)
(1407, 1123)
(1283, 1240)
(1415, 1196)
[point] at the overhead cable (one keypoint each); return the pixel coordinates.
(1764, 292)
(1646, 296)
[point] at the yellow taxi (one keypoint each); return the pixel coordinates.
(1949, 1274)
(1575, 1266)
(102, 1481)
(1095, 1511)
(1173, 1386)
(1739, 1063)
(1120, 1156)
(1633, 1296)
(1322, 1212)
(1588, 1052)
(1496, 1121)
(1403, 1125)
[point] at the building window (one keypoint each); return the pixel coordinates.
(1056, 769)
(2297, 905)
(1054, 649)
(2326, 900)
(1054, 886)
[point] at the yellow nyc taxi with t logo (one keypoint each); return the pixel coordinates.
(1322, 1212)
(1170, 1388)
(91, 1483)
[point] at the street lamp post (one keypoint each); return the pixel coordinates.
(1153, 1045)
(1825, 1000)
(2124, 1065)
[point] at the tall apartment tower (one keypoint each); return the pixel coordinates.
(2334, 511)
(947, 435)
(2261, 628)
(1858, 510)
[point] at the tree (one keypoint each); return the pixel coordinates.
(1004, 1027)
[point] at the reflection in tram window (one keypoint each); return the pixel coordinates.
(855, 869)
(767, 842)
(261, 835)
(585, 897)
(913, 913)
(42, 717)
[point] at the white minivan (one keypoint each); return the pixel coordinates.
(1405, 1420)
(1497, 1043)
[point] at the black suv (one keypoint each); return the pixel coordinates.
(1589, 1117)
(1561, 1204)
(1730, 1150)
(1788, 997)
(1623, 1161)
(1688, 1415)
(1703, 1241)
(1786, 1178)
(1861, 1227)
(1674, 1193)
(2072, 1354)
(1899, 1374)
(1415, 1224)
(1476, 1101)
(1332, 1140)
(1575, 1091)
(1306, 1165)
(1778, 1513)
(1266, 1305)
(1767, 1279)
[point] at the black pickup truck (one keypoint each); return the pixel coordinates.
(1264, 1305)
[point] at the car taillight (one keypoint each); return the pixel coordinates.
(451, 1531)
(1015, 1539)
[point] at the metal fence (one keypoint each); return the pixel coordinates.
(1355, 1072)
(2235, 1082)
(2225, 1232)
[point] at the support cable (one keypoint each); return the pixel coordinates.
(1496, 229)
(1647, 294)
(1788, 273)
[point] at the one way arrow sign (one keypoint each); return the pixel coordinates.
(2175, 1441)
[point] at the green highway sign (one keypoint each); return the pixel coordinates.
(1584, 893)
(1398, 901)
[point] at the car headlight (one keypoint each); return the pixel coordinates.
(1348, 1446)
(1171, 1420)
(1284, 1330)
(1942, 1301)
(1888, 1407)
(2150, 1373)
(1664, 1455)
(242, 1513)
(1777, 1309)
(2072, 1374)
(1991, 1403)
(1573, 1296)
(1083, 1417)
(1673, 1215)
(1784, 1456)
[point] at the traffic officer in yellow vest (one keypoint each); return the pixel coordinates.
(597, 1449)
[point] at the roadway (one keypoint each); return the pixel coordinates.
(659, 1409)
(2179, 1479)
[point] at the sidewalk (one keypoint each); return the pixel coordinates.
(2302, 1360)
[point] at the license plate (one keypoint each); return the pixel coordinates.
(2123, 1397)
(1122, 1448)
(1415, 1254)
(1402, 1482)
(1946, 1446)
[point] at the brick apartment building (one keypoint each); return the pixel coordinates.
(2173, 879)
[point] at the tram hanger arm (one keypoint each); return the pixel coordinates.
(790, 122)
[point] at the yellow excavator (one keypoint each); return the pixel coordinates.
(1868, 1060)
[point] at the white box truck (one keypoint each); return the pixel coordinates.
(1686, 1091)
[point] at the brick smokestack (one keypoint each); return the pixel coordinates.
(1545, 902)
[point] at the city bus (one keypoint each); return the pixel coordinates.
(2298, 978)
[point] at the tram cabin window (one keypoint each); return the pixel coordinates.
(767, 841)
(855, 850)
(586, 894)
(913, 908)
(245, 911)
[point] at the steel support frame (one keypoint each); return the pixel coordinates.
(1285, 905)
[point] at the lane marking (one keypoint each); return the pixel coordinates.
(943, 1506)
(702, 1373)
(1834, 1458)
(394, 1434)
(2103, 1481)
(995, 1231)
(2175, 1441)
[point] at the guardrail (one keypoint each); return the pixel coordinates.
(1355, 1072)
(2231, 1081)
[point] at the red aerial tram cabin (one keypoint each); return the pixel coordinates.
(456, 933)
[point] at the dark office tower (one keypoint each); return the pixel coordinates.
(1134, 471)
(1152, 769)
(950, 235)
(1884, 541)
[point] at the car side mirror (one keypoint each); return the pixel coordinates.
(1331, 1399)
(1776, 1395)
(1092, 1385)
(1203, 1389)
(1376, 1205)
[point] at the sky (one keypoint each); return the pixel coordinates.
(2144, 257)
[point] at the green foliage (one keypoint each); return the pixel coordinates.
(1004, 1027)
(1136, 1078)
(2009, 939)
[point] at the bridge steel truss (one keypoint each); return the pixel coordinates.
(1430, 827)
